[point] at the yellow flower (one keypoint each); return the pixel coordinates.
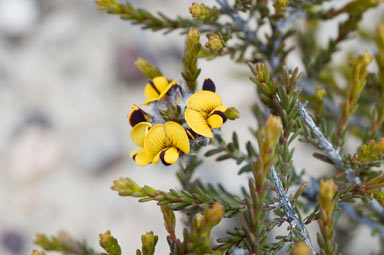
(138, 134)
(157, 88)
(204, 112)
(164, 142)
(137, 115)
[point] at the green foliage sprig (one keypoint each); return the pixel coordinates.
(191, 71)
(183, 119)
(143, 17)
(62, 243)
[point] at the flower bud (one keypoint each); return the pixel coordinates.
(214, 214)
(125, 186)
(201, 11)
(280, 5)
(109, 243)
(380, 145)
(327, 192)
(215, 43)
(232, 113)
(149, 241)
(320, 94)
(301, 249)
(193, 35)
(273, 129)
(36, 252)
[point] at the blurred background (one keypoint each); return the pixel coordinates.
(67, 81)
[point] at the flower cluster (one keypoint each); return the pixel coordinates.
(178, 119)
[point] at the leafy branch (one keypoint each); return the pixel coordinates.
(143, 17)
(190, 203)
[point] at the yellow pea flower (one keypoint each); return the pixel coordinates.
(138, 134)
(164, 142)
(156, 89)
(204, 112)
(137, 115)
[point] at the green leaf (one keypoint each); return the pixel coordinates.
(235, 140)
(224, 157)
(213, 152)
(245, 169)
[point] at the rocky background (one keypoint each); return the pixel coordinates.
(67, 82)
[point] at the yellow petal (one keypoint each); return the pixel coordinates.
(156, 158)
(133, 153)
(215, 121)
(197, 122)
(221, 108)
(155, 87)
(177, 136)
(139, 131)
(155, 140)
(169, 156)
(160, 82)
(150, 92)
(204, 101)
(166, 89)
(143, 158)
(158, 90)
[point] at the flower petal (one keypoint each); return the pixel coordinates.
(221, 108)
(143, 158)
(169, 156)
(139, 131)
(136, 115)
(166, 89)
(204, 101)
(209, 85)
(150, 91)
(135, 152)
(197, 122)
(155, 140)
(157, 89)
(156, 158)
(191, 134)
(177, 136)
(160, 83)
(215, 121)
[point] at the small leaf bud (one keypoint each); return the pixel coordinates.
(199, 11)
(126, 187)
(147, 68)
(109, 243)
(273, 129)
(193, 35)
(215, 43)
(36, 252)
(326, 195)
(149, 241)
(280, 5)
